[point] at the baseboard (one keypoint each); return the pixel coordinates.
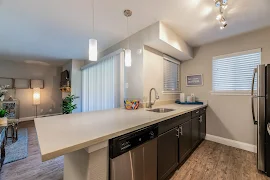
(232, 143)
(31, 118)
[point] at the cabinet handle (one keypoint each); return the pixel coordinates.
(181, 130)
(200, 119)
(197, 112)
(177, 134)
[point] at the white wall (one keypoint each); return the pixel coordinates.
(75, 76)
(50, 95)
(76, 81)
(227, 116)
(134, 75)
(153, 76)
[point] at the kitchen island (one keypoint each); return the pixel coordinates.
(83, 137)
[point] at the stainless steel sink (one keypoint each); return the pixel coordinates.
(161, 110)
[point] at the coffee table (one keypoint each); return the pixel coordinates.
(13, 125)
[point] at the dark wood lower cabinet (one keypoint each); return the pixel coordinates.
(195, 131)
(185, 137)
(178, 138)
(167, 153)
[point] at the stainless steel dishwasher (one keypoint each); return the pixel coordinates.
(134, 156)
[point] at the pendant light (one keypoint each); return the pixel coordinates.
(128, 59)
(93, 42)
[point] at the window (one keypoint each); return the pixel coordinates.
(171, 70)
(234, 72)
(101, 83)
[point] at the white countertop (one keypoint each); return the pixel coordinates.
(59, 135)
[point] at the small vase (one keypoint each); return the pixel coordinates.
(3, 121)
(2, 98)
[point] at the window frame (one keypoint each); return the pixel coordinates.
(234, 92)
(178, 63)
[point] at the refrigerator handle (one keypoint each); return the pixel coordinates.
(253, 96)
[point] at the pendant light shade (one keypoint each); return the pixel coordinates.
(92, 49)
(127, 57)
(93, 42)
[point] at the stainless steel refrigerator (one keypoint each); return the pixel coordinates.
(261, 115)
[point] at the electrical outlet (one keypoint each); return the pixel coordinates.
(126, 85)
(50, 110)
(41, 110)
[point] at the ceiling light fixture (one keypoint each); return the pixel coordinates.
(93, 42)
(223, 26)
(222, 20)
(128, 58)
(219, 17)
(222, 5)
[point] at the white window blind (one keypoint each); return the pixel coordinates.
(234, 72)
(101, 85)
(171, 75)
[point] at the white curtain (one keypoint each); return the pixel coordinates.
(101, 85)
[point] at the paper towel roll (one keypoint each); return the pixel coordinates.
(182, 97)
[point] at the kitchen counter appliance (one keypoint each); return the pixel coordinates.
(134, 156)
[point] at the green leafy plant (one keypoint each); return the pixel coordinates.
(68, 105)
(2, 113)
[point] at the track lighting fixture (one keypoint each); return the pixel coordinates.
(222, 5)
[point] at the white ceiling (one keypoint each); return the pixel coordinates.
(60, 29)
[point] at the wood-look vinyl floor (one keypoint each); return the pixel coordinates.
(210, 161)
(31, 168)
(213, 161)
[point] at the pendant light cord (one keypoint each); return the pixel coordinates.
(127, 33)
(93, 16)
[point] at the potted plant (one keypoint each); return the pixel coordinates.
(3, 91)
(3, 119)
(68, 105)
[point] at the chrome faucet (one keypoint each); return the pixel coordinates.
(156, 98)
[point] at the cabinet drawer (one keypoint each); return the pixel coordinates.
(195, 113)
(172, 123)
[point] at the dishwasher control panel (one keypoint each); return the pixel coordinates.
(122, 144)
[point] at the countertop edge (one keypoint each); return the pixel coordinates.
(63, 151)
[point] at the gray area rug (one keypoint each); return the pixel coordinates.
(19, 149)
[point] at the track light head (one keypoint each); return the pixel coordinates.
(223, 26)
(224, 2)
(217, 3)
(219, 17)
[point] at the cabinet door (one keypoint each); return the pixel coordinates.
(167, 153)
(185, 140)
(195, 131)
(202, 126)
